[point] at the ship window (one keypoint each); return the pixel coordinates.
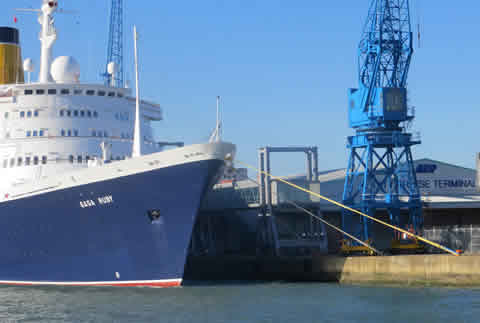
(19, 161)
(105, 134)
(75, 113)
(12, 162)
(87, 158)
(95, 114)
(79, 159)
(69, 113)
(75, 133)
(35, 113)
(35, 133)
(120, 95)
(82, 113)
(63, 132)
(29, 133)
(52, 91)
(40, 91)
(6, 115)
(118, 158)
(70, 158)
(35, 160)
(77, 92)
(94, 133)
(40, 133)
(44, 160)
(62, 112)
(5, 163)
(89, 113)
(90, 92)
(28, 92)
(22, 114)
(69, 133)
(64, 91)
(110, 94)
(101, 93)
(27, 161)
(29, 114)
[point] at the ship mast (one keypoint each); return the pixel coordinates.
(136, 151)
(48, 36)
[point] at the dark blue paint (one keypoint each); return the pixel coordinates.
(49, 237)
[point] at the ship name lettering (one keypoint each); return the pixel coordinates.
(87, 203)
(105, 199)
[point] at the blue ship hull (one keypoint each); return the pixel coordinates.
(131, 230)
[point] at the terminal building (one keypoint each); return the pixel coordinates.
(233, 221)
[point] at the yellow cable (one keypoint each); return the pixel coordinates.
(352, 210)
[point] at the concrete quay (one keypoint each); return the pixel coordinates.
(441, 270)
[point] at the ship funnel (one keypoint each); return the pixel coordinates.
(11, 69)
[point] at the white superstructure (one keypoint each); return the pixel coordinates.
(59, 124)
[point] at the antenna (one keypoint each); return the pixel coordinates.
(115, 45)
(217, 133)
(136, 151)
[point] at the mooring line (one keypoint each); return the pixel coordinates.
(434, 244)
(335, 227)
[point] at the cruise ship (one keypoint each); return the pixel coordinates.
(87, 195)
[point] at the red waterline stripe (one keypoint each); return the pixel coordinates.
(170, 283)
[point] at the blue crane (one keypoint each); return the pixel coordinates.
(115, 45)
(380, 172)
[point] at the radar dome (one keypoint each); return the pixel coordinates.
(28, 65)
(65, 69)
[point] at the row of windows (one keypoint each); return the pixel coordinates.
(69, 133)
(27, 114)
(35, 133)
(80, 159)
(78, 113)
(37, 160)
(20, 161)
(74, 92)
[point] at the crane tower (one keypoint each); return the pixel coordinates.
(380, 173)
(115, 46)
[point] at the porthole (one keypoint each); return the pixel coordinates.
(82, 113)
(69, 113)
(89, 113)
(77, 92)
(52, 91)
(65, 91)
(90, 92)
(75, 113)
(35, 160)
(27, 161)
(40, 91)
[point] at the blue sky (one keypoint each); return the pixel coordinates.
(281, 67)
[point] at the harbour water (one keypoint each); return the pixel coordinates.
(239, 302)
